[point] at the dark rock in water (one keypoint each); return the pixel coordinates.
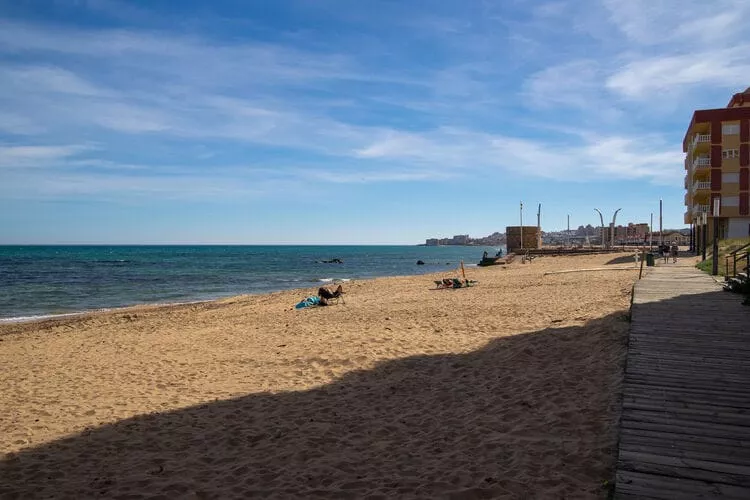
(420, 263)
(332, 261)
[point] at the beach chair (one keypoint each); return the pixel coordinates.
(444, 283)
(332, 297)
(457, 283)
(454, 283)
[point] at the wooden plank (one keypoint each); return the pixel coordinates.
(636, 389)
(693, 421)
(712, 415)
(690, 468)
(679, 401)
(708, 356)
(670, 488)
(677, 449)
(683, 370)
(671, 427)
(676, 383)
(687, 438)
(676, 370)
(636, 354)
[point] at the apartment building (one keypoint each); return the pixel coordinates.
(717, 161)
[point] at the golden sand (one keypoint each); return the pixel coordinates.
(508, 389)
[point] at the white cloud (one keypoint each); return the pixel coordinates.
(37, 156)
(727, 68)
(597, 157)
(574, 83)
(46, 79)
(18, 124)
(675, 21)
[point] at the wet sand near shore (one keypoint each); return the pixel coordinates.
(508, 389)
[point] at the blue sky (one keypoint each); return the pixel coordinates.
(325, 121)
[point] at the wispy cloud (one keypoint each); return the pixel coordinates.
(595, 158)
(18, 157)
(728, 68)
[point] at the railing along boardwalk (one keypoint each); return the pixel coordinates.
(685, 423)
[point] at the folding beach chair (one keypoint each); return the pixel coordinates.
(332, 297)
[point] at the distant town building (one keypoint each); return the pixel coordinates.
(632, 233)
(495, 239)
(717, 161)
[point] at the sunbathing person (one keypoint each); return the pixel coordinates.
(327, 294)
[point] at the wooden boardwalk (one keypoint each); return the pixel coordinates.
(685, 425)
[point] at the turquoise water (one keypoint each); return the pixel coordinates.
(47, 280)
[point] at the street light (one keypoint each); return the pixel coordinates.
(716, 207)
(601, 232)
(614, 217)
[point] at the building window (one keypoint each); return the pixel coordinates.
(730, 178)
(730, 129)
(730, 201)
(730, 153)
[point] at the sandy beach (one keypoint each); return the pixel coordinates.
(508, 389)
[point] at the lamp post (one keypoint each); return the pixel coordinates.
(651, 233)
(521, 227)
(614, 217)
(661, 229)
(715, 266)
(601, 232)
(704, 233)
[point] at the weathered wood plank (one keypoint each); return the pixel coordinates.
(642, 485)
(678, 449)
(712, 415)
(685, 438)
(690, 468)
(678, 401)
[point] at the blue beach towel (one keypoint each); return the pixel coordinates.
(313, 300)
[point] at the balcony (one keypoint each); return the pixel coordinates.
(701, 162)
(701, 186)
(700, 209)
(700, 139)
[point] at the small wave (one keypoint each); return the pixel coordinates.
(333, 280)
(39, 317)
(24, 319)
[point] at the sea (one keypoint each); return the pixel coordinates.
(44, 281)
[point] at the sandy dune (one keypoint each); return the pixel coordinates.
(505, 390)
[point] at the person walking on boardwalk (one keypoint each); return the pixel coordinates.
(673, 250)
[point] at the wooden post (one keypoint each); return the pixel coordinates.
(643, 257)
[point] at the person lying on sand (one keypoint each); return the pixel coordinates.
(325, 293)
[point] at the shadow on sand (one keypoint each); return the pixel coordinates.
(530, 415)
(623, 259)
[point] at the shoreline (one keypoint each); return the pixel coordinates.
(404, 388)
(301, 281)
(320, 282)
